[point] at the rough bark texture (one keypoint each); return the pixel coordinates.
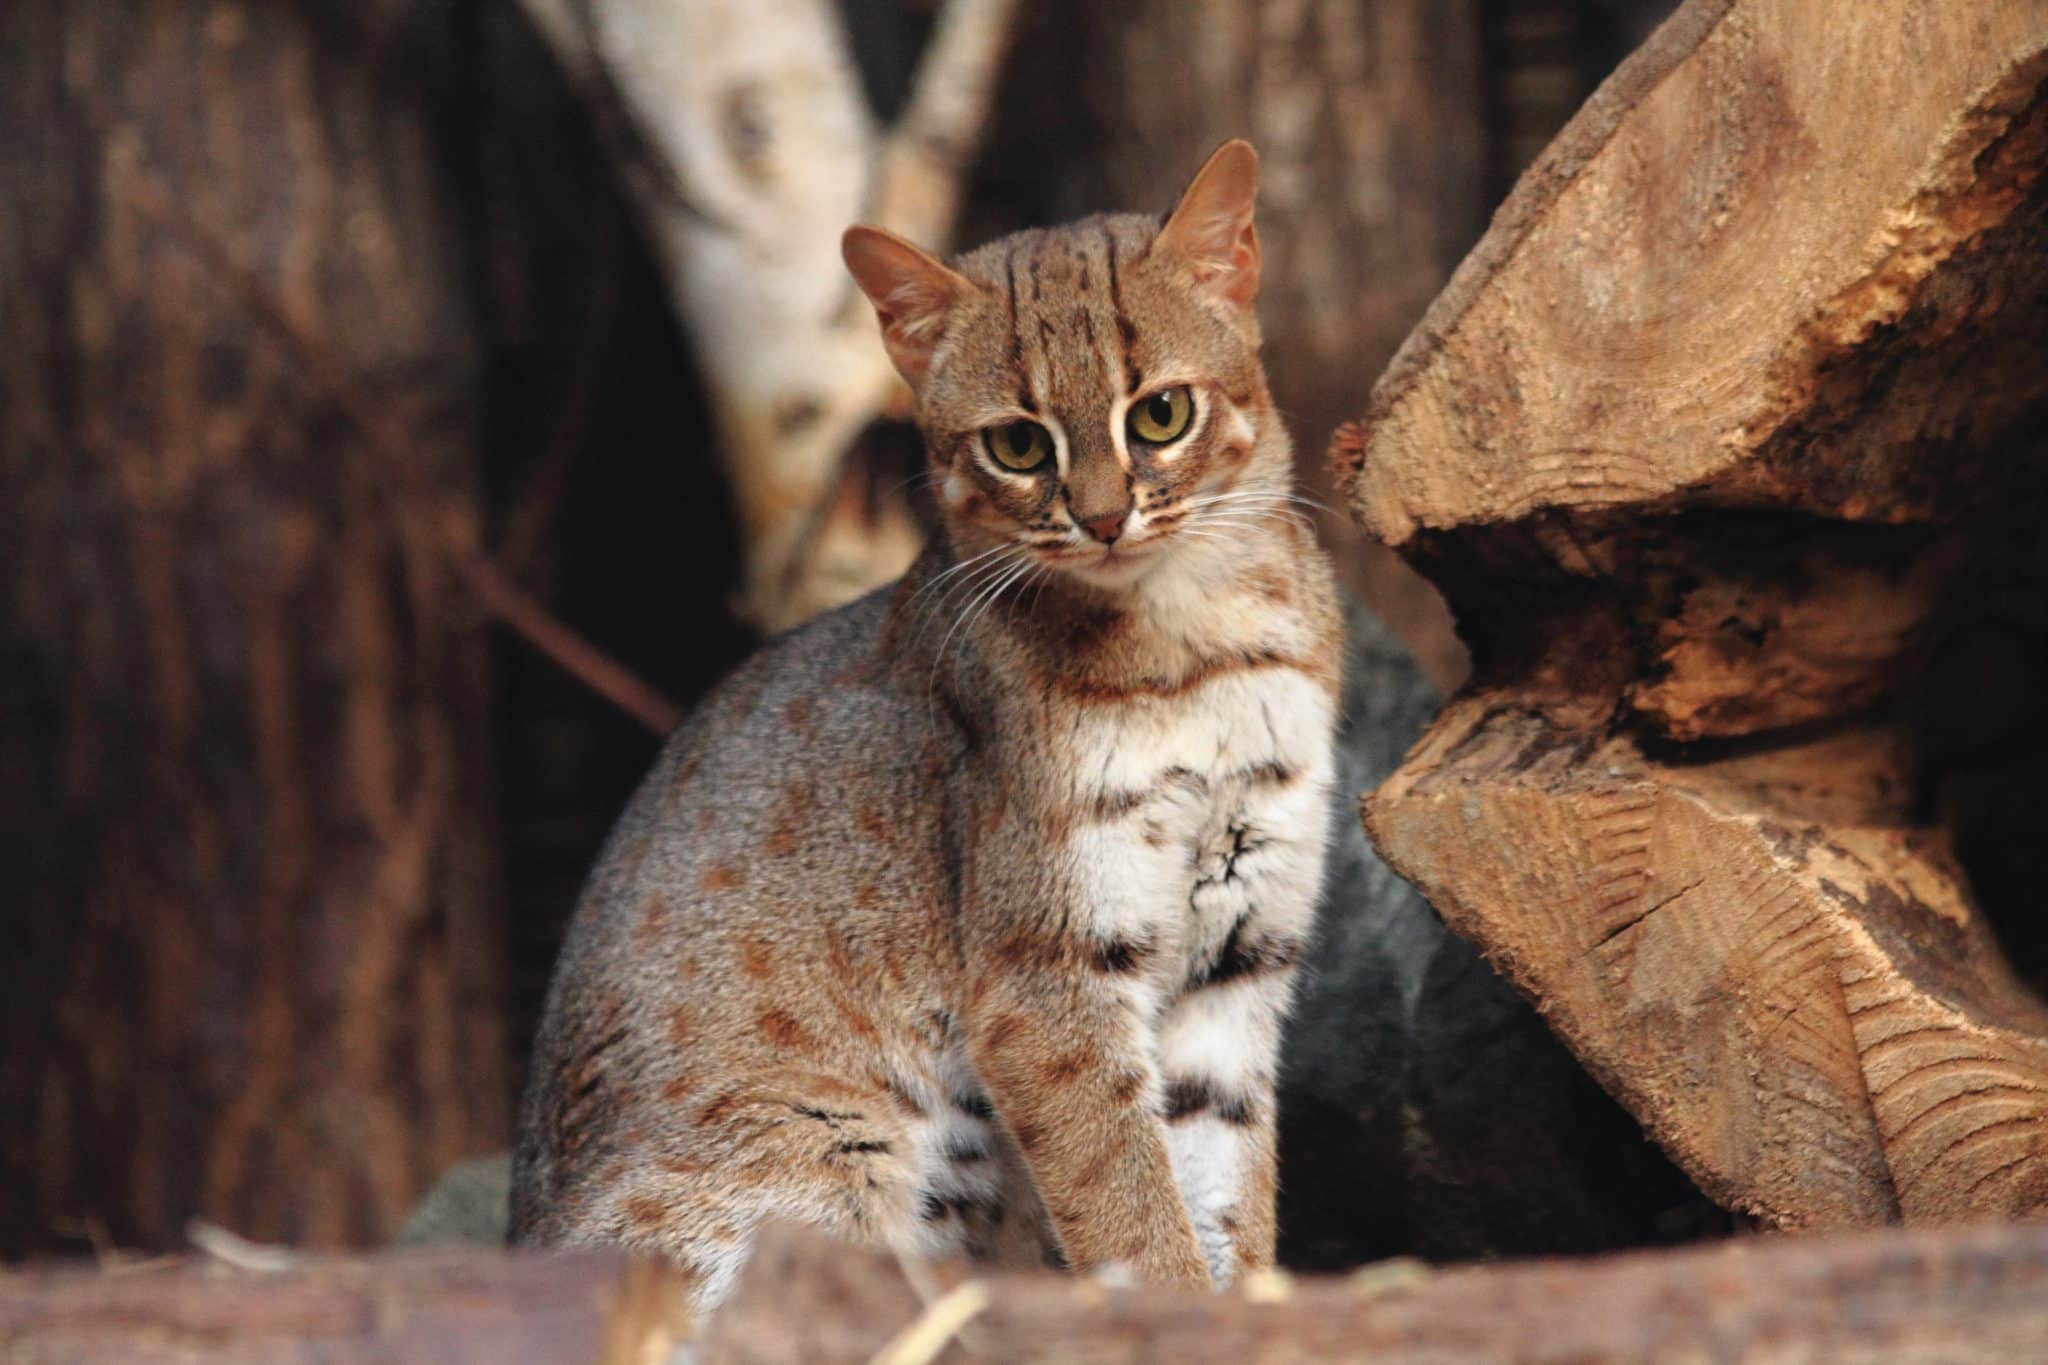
(1725, 447)
(243, 777)
(1955, 1296)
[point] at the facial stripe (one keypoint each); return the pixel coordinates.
(1126, 331)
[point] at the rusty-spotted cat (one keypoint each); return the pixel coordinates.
(964, 919)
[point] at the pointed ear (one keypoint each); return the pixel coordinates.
(911, 290)
(1211, 227)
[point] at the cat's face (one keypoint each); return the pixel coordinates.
(1091, 395)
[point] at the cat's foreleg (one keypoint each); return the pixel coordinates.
(1066, 1056)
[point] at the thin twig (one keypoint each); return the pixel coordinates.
(935, 1328)
(598, 671)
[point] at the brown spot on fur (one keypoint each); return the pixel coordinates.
(1029, 1136)
(647, 932)
(782, 841)
(873, 825)
(722, 877)
(1127, 1087)
(1064, 1068)
(1085, 689)
(644, 1210)
(757, 959)
(867, 895)
(1005, 1030)
(1037, 950)
(838, 960)
(676, 1165)
(1270, 584)
(858, 1023)
(781, 1028)
(678, 1089)
(682, 1025)
(718, 1109)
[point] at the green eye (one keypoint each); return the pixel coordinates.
(1022, 446)
(1162, 417)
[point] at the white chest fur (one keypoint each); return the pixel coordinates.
(1202, 808)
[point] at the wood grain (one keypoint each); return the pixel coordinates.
(1718, 443)
(1957, 1296)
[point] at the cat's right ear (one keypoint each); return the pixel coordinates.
(1211, 227)
(912, 292)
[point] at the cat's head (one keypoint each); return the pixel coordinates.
(1090, 395)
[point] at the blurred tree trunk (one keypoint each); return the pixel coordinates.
(244, 791)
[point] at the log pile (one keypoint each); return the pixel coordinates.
(1726, 446)
(1955, 1295)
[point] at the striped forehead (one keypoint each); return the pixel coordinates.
(1074, 345)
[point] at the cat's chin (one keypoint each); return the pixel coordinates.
(1114, 567)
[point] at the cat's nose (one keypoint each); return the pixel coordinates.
(1106, 529)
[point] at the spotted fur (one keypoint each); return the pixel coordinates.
(964, 919)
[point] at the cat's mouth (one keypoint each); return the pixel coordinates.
(1117, 563)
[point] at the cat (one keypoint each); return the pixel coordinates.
(964, 919)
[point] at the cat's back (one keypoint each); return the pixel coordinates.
(770, 897)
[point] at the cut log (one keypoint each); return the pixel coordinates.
(1954, 1295)
(252, 962)
(1949, 1295)
(1726, 446)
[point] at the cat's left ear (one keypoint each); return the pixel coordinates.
(1211, 227)
(912, 292)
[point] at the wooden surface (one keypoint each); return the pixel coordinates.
(1950, 1295)
(1765, 210)
(1726, 447)
(252, 962)
(1760, 956)
(472, 1308)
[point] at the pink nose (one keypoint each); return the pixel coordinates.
(1105, 529)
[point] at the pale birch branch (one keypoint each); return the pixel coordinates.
(742, 132)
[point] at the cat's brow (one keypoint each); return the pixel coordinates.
(1127, 333)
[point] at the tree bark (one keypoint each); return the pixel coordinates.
(1725, 446)
(244, 775)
